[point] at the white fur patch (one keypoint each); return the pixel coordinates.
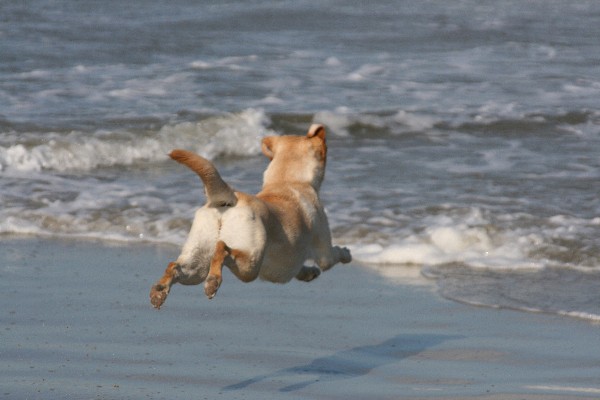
(242, 229)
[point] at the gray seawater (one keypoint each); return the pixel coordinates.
(464, 136)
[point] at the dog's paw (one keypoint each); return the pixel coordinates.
(307, 274)
(211, 286)
(158, 295)
(345, 256)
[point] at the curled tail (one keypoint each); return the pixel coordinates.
(218, 193)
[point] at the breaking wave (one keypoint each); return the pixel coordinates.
(230, 134)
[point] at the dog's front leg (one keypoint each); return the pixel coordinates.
(327, 255)
(342, 254)
(308, 273)
(160, 290)
(335, 255)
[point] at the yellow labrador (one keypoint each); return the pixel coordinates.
(269, 235)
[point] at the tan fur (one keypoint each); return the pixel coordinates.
(218, 193)
(269, 235)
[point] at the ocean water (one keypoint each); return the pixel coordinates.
(464, 136)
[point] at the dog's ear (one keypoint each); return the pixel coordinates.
(316, 130)
(267, 146)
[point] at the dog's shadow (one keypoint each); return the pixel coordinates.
(351, 363)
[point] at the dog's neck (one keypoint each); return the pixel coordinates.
(309, 172)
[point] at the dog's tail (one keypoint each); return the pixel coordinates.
(218, 193)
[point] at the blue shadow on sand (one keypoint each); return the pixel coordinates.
(352, 363)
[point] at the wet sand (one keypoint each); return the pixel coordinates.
(76, 323)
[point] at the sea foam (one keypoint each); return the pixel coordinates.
(472, 239)
(230, 134)
(341, 121)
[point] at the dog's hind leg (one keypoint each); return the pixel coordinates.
(215, 274)
(238, 261)
(160, 290)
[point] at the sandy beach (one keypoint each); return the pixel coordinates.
(462, 172)
(77, 324)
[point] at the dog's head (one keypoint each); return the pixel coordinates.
(298, 159)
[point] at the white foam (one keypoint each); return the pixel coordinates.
(414, 121)
(231, 134)
(341, 119)
(35, 74)
(450, 239)
(406, 253)
(558, 388)
(20, 226)
(270, 100)
(366, 71)
(232, 63)
(124, 211)
(582, 315)
(333, 62)
(101, 230)
(337, 121)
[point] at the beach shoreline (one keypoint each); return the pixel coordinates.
(77, 324)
